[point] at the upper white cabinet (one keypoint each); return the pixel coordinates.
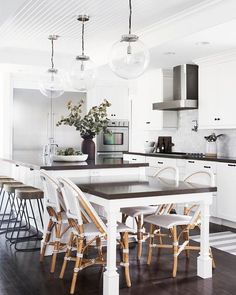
(146, 90)
(116, 94)
(217, 95)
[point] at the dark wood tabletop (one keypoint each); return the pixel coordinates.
(142, 188)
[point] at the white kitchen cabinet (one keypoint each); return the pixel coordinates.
(226, 186)
(116, 94)
(217, 97)
(146, 90)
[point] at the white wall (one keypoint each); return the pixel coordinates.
(6, 97)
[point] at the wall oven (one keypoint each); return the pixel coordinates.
(117, 140)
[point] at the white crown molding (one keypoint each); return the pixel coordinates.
(221, 57)
(178, 16)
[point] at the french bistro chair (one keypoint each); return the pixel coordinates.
(179, 225)
(138, 213)
(88, 228)
(58, 224)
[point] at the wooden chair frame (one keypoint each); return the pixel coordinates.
(54, 223)
(141, 235)
(78, 242)
(176, 247)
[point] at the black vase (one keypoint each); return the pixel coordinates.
(88, 147)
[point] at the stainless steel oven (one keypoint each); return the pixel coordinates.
(117, 140)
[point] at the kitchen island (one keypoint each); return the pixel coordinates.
(25, 166)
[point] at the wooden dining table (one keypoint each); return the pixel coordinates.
(113, 196)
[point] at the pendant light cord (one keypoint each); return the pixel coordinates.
(52, 56)
(130, 16)
(83, 38)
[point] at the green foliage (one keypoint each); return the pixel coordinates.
(89, 125)
(68, 152)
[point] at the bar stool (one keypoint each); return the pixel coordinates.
(6, 202)
(10, 188)
(25, 212)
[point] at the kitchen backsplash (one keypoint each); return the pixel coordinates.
(186, 140)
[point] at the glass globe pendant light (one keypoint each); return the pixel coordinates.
(129, 57)
(51, 84)
(83, 72)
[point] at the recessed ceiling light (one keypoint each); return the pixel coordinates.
(202, 43)
(169, 53)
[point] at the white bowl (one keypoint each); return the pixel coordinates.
(148, 144)
(149, 150)
(75, 158)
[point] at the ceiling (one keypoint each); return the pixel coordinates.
(34, 20)
(26, 24)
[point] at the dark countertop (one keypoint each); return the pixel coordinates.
(147, 187)
(35, 160)
(186, 157)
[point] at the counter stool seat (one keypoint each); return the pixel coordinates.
(11, 187)
(28, 193)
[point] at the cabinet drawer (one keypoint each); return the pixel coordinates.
(160, 162)
(197, 165)
(134, 158)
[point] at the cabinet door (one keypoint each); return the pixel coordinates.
(226, 191)
(146, 90)
(217, 97)
(227, 95)
(117, 95)
(208, 96)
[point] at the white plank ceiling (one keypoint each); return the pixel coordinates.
(29, 26)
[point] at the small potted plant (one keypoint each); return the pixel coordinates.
(89, 125)
(211, 147)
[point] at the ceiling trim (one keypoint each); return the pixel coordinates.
(178, 16)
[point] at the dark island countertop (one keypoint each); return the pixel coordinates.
(186, 157)
(35, 160)
(147, 187)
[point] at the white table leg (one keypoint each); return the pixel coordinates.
(110, 276)
(204, 262)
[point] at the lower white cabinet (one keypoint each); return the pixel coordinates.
(226, 195)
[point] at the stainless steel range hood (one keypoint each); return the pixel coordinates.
(185, 90)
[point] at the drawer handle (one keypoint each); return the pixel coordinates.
(191, 161)
(231, 165)
(208, 167)
(148, 122)
(159, 162)
(134, 159)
